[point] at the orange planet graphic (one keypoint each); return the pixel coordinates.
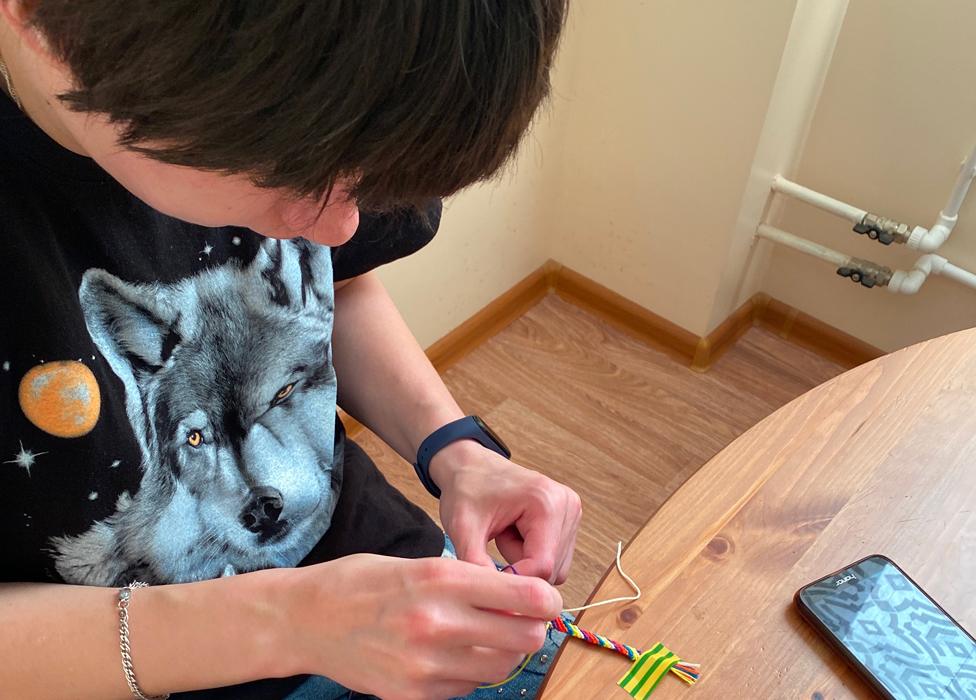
(61, 398)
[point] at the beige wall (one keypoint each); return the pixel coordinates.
(657, 129)
(490, 238)
(896, 118)
(635, 177)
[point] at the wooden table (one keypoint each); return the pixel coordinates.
(881, 459)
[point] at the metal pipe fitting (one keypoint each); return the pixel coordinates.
(882, 229)
(866, 273)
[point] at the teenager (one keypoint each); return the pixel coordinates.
(183, 302)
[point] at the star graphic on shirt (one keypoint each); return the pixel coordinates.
(6, 365)
(207, 249)
(25, 458)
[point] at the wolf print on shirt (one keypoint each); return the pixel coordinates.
(231, 394)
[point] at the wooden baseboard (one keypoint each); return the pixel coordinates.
(623, 313)
(813, 334)
(714, 345)
(699, 353)
(702, 352)
(493, 318)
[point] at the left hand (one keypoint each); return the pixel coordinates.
(484, 497)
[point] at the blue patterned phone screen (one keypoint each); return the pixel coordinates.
(896, 631)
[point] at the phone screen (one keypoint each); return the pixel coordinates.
(899, 635)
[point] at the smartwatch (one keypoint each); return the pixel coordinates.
(467, 428)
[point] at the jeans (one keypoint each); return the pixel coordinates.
(526, 685)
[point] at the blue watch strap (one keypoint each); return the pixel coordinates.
(467, 428)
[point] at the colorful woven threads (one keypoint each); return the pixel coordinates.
(648, 668)
(597, 640)
(688, 672)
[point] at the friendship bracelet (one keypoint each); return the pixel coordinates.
(125, 595)
(647, 667)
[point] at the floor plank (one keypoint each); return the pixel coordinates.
(618, 421)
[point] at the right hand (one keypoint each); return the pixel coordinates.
(406, 629)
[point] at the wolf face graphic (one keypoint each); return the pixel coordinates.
(231, 394)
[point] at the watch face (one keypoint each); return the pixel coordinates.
(491, 434)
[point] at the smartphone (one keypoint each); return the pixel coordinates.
(895, 635)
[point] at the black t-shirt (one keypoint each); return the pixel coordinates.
(167, 395)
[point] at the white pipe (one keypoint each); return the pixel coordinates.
(959, 190)
(929, 240)
(902, 281)
(803, 68)
(910, 281)
(958, 274)
(822, 201)
(802, 244)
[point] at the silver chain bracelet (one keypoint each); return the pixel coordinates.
(125, 595)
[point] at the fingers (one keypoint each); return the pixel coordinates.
(542, 537)
(562, 572)
(549, 532)
(522, 595)
(512, 547)
(538, 523)
(510, 544)
(460, 583)
(474, 667)
(512, 633)
(484, 665)
(574, 514)
(470, 537)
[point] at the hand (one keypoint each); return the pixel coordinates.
(484, 497)
(414, 628)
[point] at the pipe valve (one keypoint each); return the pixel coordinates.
(885, 231)
(866, 273)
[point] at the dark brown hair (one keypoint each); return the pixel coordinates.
(409, 98)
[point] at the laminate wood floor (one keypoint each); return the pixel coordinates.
(612, 417)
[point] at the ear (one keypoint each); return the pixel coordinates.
(128, 321)
(17, 16)
(295, 273)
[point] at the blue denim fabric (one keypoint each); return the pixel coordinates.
(526, 685)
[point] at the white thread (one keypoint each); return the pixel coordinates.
(628, 579)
